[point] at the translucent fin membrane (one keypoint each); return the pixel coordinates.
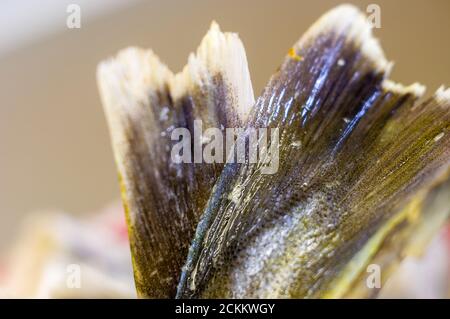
(359, 164)
(363, 172)
(144, 102)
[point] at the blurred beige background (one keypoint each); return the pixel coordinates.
(54, 145)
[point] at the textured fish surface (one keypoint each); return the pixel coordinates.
(362, 174)
(357, 160)
(144, 101)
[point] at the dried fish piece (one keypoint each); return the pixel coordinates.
(144, 101)
(363, 171)
(362, 168)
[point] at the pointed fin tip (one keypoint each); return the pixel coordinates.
(216, 44)
(218, 53)
(214, 26)
(140, 67)
(348, 20)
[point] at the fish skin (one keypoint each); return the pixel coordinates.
(295, 233)
(143, 100)
(362, 169)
